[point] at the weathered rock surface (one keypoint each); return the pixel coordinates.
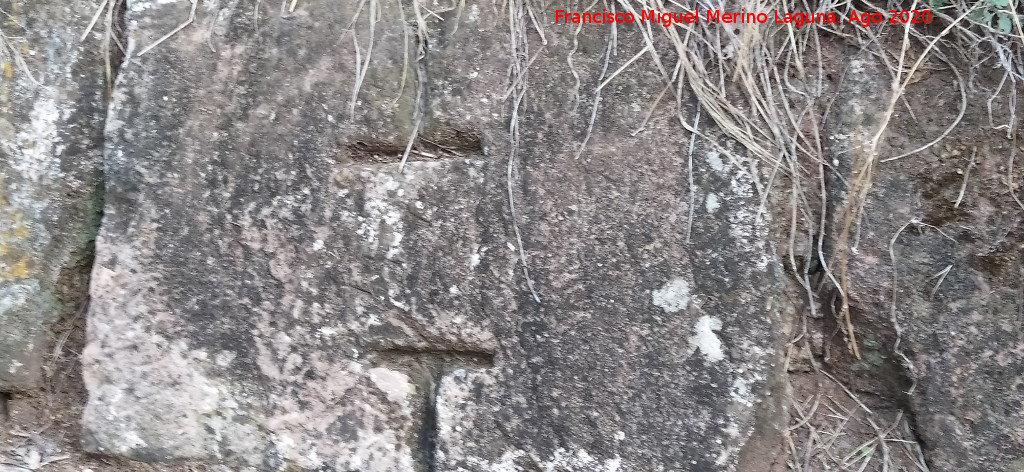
(51, 124)
(948, 344)
(272, 290)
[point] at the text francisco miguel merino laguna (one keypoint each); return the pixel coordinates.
(711, 16)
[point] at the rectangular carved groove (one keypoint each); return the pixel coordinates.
(449, 146)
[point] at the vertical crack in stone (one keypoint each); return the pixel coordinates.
(116, 40)
(52, 185)
(73, 281)
(876, 376)
(915, 431)
(428, 434)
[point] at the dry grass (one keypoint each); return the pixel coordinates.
(832, 429)
(762, 85)
(422, 39)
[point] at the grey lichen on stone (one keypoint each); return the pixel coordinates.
(51, 122)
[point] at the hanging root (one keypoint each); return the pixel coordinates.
(422, 40)
(907, 364)
(763, 86)
(185, 24)
(517, 13)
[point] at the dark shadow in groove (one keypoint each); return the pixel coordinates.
(454, 145)
(5, 412)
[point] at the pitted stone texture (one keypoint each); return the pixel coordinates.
(962, 330)
(271, 290)
(51, 124)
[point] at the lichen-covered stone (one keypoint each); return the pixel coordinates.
(272, 290)
(51, 123)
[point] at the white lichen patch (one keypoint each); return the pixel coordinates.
(394, 384)
(673, 296)
(715, 161)
(40, 144)
(726, 455)
(224, 358)
(746, 226)
(474, 259)
(387, 197)
(380, 219)
(705, 340)
(711, 203)
(740, 391)
(454, 395)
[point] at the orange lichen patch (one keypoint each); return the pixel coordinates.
(17, 271)
(19, 230)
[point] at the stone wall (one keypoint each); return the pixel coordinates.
(309, 258)
(274, 289)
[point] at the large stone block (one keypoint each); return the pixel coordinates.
(51, 125)
(272, 290)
